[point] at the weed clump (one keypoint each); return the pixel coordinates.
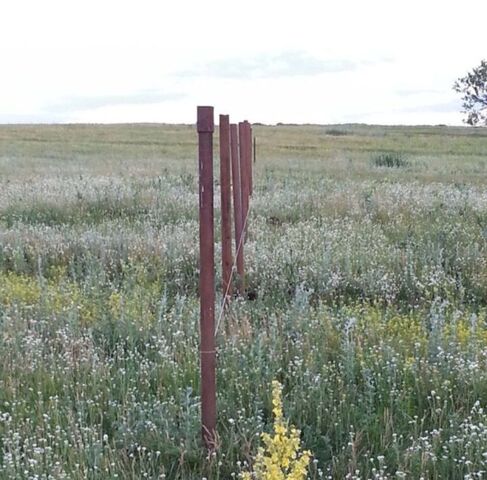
(390, 160)
(335, 132)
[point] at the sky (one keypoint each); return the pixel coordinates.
(300, 61)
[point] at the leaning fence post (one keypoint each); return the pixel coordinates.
(205, 127)
(237, 207)
(226, 201)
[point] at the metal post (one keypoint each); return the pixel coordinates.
(255, 149)
(244, 174)
(205, 128)
(237, 207)
(226, 205)
(249, 159)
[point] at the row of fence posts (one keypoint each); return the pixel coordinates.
(236, 172)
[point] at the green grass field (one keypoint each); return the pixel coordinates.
(367, 274)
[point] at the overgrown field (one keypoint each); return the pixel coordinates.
(367, 272)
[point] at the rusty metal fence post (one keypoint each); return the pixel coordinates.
(237, 207)
(205, 127)
(244, 175)
(235, 170)
(226, 205)
(248, 129)
(255, 149)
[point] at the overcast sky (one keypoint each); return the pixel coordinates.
(300, 61)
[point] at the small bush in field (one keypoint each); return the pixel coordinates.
(390, 160)
(335, 132)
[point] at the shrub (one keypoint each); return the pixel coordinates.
(335, 132)
(390, 160)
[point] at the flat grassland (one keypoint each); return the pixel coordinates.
(367, 273)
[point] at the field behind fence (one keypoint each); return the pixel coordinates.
(366, 275)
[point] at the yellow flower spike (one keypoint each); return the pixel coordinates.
(281, 457)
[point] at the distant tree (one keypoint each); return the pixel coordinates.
(473, 87)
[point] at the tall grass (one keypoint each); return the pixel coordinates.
(368, 303)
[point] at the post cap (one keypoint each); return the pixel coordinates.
(224, 119)
(205, 122)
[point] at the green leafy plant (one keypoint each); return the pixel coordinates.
(390, 160)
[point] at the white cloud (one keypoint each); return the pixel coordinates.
(308, 61)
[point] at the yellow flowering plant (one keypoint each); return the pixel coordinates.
(281, 457)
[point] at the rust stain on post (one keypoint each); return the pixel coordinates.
(205, 126)
(237, 207)
(226, 205)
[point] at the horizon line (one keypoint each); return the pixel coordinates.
(260, 124)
